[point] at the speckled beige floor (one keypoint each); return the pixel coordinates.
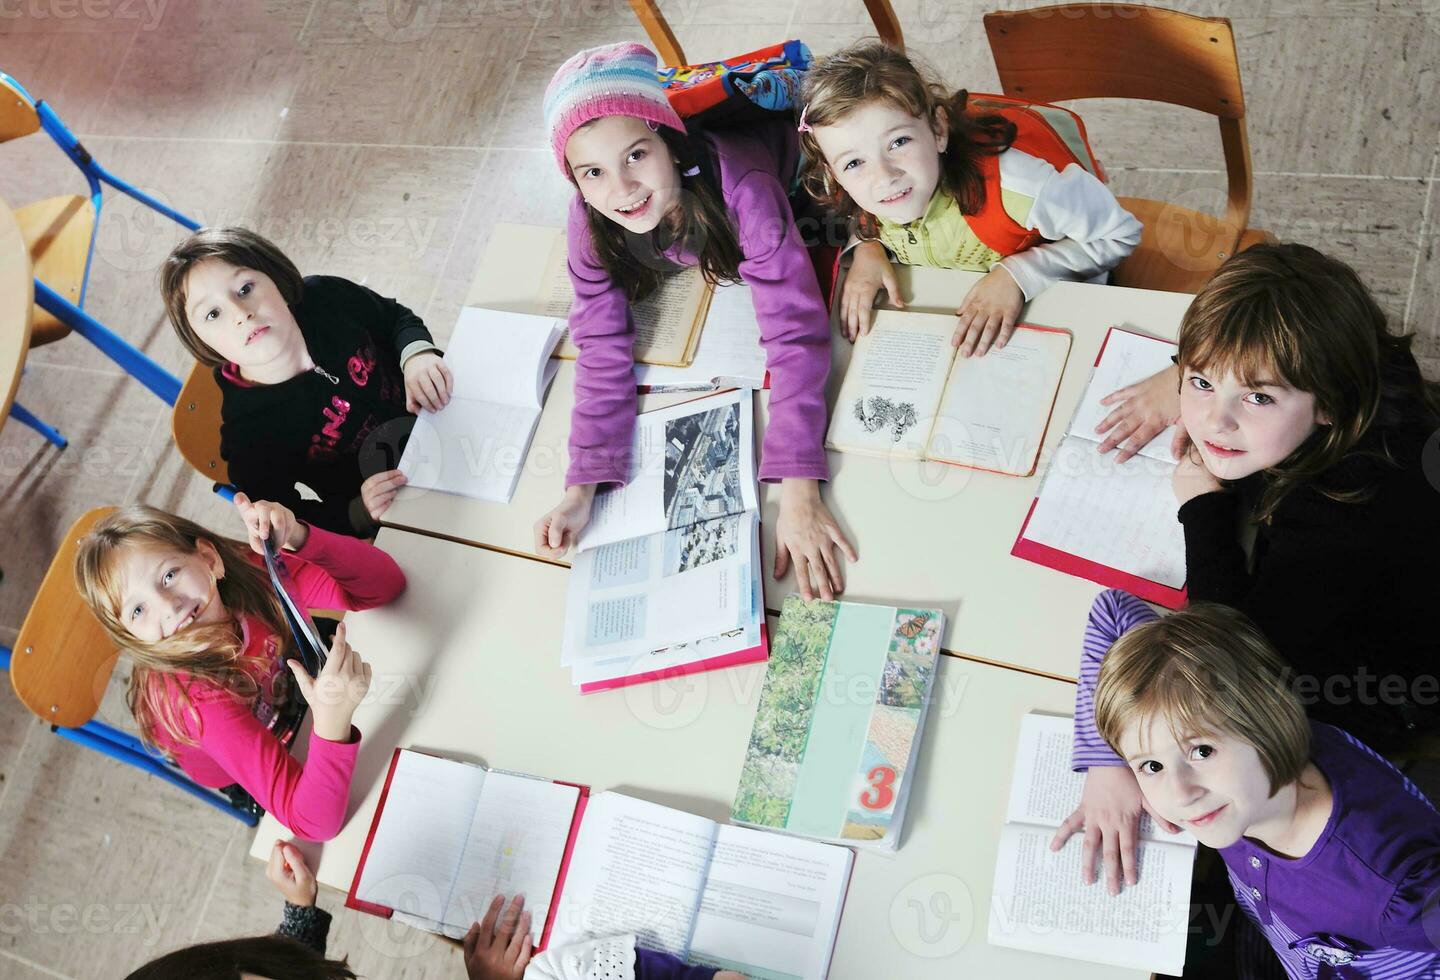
(381, 140)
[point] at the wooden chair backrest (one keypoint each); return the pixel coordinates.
(17, 115)
(195, 423)
(671, 54)
(63, 659)
(1129, 51)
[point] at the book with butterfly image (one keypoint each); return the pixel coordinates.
(837, 731)
(908, 394)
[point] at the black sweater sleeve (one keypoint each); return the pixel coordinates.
(1214, 561)
(265, 477)
(387, 320)
(308, 924)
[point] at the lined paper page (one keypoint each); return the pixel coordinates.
(1127, 359)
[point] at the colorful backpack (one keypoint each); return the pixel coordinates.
(1050, 132)
(748, 87)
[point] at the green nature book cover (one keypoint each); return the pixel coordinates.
(838, 726)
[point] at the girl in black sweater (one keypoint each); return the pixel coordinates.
(1311, 427)
(311, 372)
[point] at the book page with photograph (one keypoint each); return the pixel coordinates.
(1125, 359)
(771, 905)
(637, 867)
(891, 391)
(995, 409)
(667, 322)
(690, 462)
(639, 594)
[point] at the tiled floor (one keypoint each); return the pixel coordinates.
(381, 140)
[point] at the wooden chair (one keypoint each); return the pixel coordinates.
(1125, 51)
(60, 233)
(671, 54)
(61, 665)
(195, 423)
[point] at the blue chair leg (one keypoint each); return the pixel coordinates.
(111, 344)
(21, 414)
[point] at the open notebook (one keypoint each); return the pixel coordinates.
(1040, 902)
(907, 394)
(1110, 522)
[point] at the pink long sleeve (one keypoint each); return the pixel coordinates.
(336, 571)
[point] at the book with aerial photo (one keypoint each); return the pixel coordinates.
(832, 751)
(671, 561)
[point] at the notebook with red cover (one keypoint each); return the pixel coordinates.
(746, 654)
(1109, 522)
(447, 836)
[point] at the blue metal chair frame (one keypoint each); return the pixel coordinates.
(134, 363)
(111, 741)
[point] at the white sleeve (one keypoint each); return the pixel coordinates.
(1089, 231)
(595, 959)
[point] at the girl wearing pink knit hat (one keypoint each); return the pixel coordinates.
(651, 196)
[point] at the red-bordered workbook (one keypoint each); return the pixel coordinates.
(594, 866)
(1110, 522)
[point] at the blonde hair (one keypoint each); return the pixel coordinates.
(1205, 669)
(1290, 313)
(869, 71)
(209, 654)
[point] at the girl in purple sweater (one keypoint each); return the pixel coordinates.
(652, 197)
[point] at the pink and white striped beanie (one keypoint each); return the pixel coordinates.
(613, 80)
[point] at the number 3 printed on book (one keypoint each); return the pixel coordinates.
(878, 795)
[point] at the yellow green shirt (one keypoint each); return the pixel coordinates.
(941, 237)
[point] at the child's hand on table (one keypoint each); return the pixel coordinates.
(1142, 411)
(1109, 816)
(988, 313)
(335, 693)
(262, 518)
(498, 946)
(428, 382)
(807, 534)
(870, 272)
(378, 492)
(558, 530)
(289, 873)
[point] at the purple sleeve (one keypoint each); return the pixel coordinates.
(653, 965)
(794, 328)
(1113, 613)
(602, 424)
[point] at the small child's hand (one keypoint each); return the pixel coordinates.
(289, 873)
(1142, 411)
(870, 272)
(378, 492)
(498, 947)
(337, 691)
(557, 530)
(1191, 478)
(989, 313)
(428, 382)
(262, 518)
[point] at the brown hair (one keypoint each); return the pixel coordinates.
(705, 228)
(1291, 313)
(871, 70)
(239, 247)
(1205, 669)
(213, 654)
(272, 957)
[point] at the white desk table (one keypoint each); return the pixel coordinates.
(466, 664)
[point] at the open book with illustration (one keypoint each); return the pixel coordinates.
(672, 557)
(476, 445)
(833, 748)
(1113, 523)
(1040, 902)
(908, 394)
(732, 898)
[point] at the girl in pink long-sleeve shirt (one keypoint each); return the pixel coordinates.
(653, 197)
(211, 688)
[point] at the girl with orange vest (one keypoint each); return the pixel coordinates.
(928, 180)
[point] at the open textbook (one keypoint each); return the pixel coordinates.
(1113, 523)
(667, 322)
(762, 904)
(729, 354)
(908, 394)
(837, 732)
(476, 445)
(1040, 902)
(668, 571)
